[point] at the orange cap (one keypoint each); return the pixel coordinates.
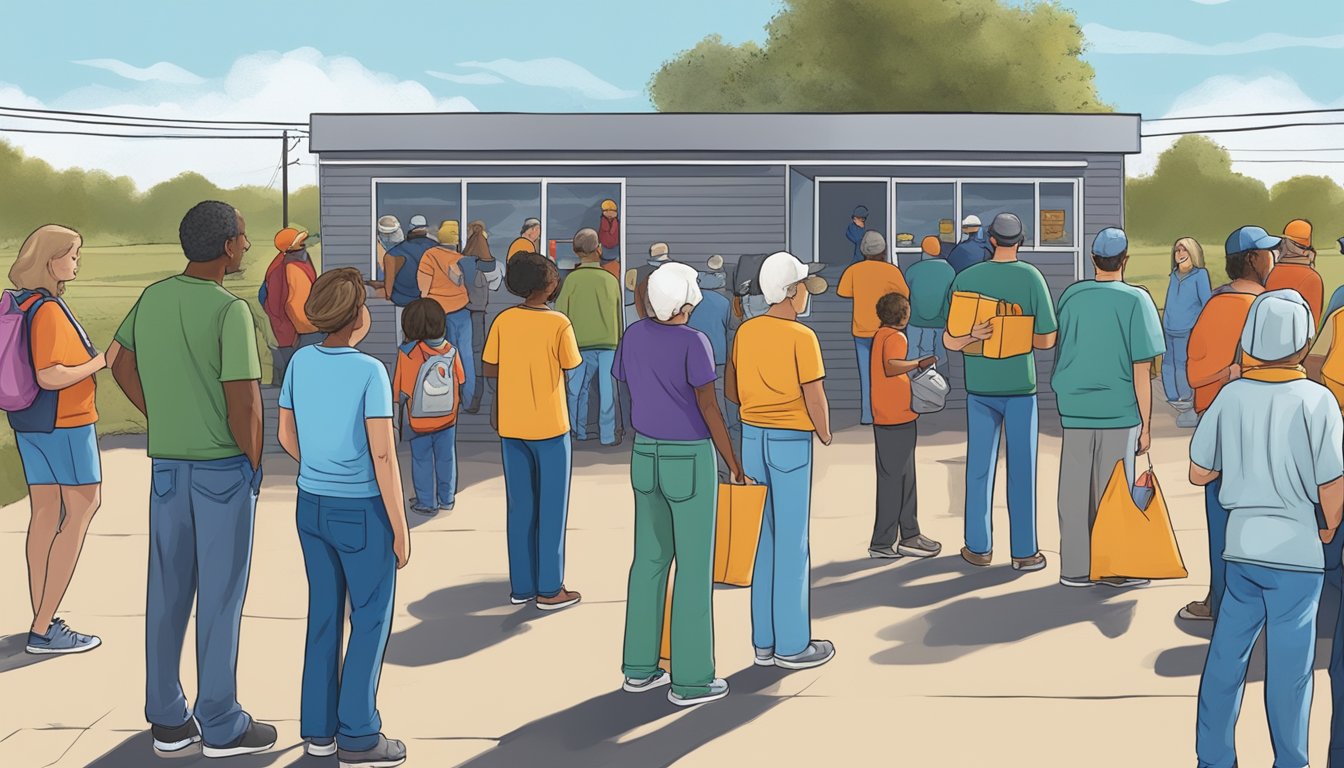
(931, 245)
(1299, 231)
(289, 239)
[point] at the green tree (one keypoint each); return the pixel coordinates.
(890, 56)
(1193, 192)
(1315, 198)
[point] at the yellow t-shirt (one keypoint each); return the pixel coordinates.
(865, 283)
(773, 359)
(533, 348)
(521, 245)
(1333, 369)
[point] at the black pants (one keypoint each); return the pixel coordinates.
(897, 502)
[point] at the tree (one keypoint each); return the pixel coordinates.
(890, 56)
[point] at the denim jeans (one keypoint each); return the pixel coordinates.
(781, 614)
(458, 333)
(1174, 381)
(925, 342)
(1333, 576)
(1216, 517)
(347, 553)
(434, 468)
(201, 515)
(863, 350)
(986, 419)
(536, 484)
(479, 326)
(596, 367)
(1282, 604)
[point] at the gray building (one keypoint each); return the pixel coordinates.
(728, 184)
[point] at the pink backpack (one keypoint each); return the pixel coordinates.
(18, 381)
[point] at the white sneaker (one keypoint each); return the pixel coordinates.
(656, 680)
(1076, 583)
(317, 749)
(718, 688)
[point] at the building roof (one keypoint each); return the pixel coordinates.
(784, 134)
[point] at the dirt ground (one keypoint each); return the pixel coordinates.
(937, 664)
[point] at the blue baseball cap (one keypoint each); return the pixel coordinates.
(861, 212)
(1251, 239)
(1110, 242)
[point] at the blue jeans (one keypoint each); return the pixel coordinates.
(1174, 381)
(596, 366)
(781, 615)
(1333, 575)
(536, 484)
(347, 552)
(458, 333)
(1283, 604)
(1216, 517)
(200, 551)
(434, 468)
(863, 350)
(925, 342)
(986, 419)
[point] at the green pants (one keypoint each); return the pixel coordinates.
(676, 497)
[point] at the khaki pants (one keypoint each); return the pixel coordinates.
(1087, 459)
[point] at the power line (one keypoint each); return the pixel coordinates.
(153, 119)
(1306, 162)
(1274, 149)
(1246, 114)
(134, 135)
(130, 124)
(1243, 129)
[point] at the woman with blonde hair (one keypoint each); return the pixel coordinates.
(57, 442)
(1187, 292)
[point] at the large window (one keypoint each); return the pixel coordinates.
(571, 206)
(837, 202)
(989, 200)
(436, 201)
(924, 209)
(503, 207)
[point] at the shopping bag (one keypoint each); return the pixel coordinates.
(1134, 541)
(737, 532)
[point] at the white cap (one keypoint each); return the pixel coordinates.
(419, 222)
(671, 287)
(971, 221)
(1279, 325)
(781, 270)
(658, 251)
(715, 263)
(388, 224)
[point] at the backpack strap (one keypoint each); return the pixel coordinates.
(408, 348)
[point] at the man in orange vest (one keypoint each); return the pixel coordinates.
(289, 279)
(1296, 268)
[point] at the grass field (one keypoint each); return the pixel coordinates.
(1150, 266)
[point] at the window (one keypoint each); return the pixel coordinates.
(571, 206)
(923, 210)
(987, 200)
(503, 206)
(836, 205)
(1058, 222)
(802, 194)
(436, 201)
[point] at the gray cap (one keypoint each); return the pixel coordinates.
(419, 222)
(872, 243)
(1279, 325)
(1006, 229)
(585, 240)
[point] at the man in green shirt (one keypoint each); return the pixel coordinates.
(929, 279)
(1001, 399)
(591, 299)
(1109, 335)
(186, 356)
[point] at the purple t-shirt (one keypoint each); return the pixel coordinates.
(663, 365)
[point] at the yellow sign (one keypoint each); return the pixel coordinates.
(1052, 225)
(944, 228)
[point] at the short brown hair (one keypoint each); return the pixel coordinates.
(337, 297)
(893, 309)
(422, 320)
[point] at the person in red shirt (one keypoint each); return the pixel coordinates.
(609, 237)
(1296, 268)
(287, 285)
(434, 436)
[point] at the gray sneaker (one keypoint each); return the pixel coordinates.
(60, 638)
(919, 546)
(883, 553)
(718, 688)
(1118, 582)
(656, 680)
(765, 657)
(1187, 419)
(385, 754)
(816, 653)
(170, 742)
(258, 737)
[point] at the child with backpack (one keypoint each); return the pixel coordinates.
(427, 383)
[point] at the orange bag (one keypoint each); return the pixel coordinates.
(1131, 542)
(737, 532)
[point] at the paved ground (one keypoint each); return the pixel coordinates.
(937, 665)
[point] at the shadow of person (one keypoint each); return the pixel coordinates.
(906, 583)
(456, 622)
(138, 752)
(14, 654)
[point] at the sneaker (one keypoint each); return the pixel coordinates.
(445, 509)
(321, 747)
(385, 754)
(520, 600)
(718, 688)
(919, 546)
(1034, 563)
(1199, 610)
(562, 599)
(1119, 582)
(1181, 405)
(1078, 583)
(258, 737)
(426, 511)
(1187, 419)
(169, 742)
(765, 657)
(656, 680)
(883, 553)
(975, 558)
(60, 638)
(816, 653)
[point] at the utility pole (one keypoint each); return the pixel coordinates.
(284, 178)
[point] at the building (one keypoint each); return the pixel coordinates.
(729, 184)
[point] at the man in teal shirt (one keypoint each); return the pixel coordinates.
(591, 298)
(1001, 400)
(1109, 335)
(929, 279)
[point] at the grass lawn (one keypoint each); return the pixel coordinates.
(1150, 266)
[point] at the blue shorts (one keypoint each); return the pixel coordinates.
(60, 457)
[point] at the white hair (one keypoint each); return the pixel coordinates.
(671, 287)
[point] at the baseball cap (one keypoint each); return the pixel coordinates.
(1110, 242)
(1299, 231)
(931, 245)
(1251, 239)
(861, 212)
(608, 205)
(419, 222)
(671, 287)
(971, 221)
(388, 224)
(1279, 325)
(715, 263)
(872, 243)
(658, 251)
(289, 239)
(781, 270)
(1006, 229)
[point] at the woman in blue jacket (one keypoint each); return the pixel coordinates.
(1187, 292)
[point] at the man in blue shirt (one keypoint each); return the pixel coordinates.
(404, 260)
(711, 317)
(858, 224)
(972, 249)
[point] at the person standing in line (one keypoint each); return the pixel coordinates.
(388, 236)
(527, 241)
(713, 318)
(1188, 290)
(639, 277)
(775, 374)
(288, 281)
(336, 421)
(1109, 335)
(591, 298)
(483, 278)
(434, 436)
(858, 223)
(609, 237)
(443, 279)
(1001, 400)
(864, 283)
(930, 281)
(1295, 267)
(186, 357)
(973, 249)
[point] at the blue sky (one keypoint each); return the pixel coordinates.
(246, 59)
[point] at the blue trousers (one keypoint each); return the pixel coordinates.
(434, 468)
(1282, 604)
(1174, 381)
(347, 552)
(863, 350)
(986, 419)
(200, 551)
(596, 367)
(1216, 517)
(781, 614)
(458, 333)
(1333, 575)
(536, 484)
(925, 342)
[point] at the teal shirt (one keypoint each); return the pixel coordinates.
(1020, 283)
(930, 281)
(1104, 329)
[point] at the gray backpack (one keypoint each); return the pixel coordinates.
(928, 391)
(435, 386)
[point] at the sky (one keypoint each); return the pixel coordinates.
(262, 60)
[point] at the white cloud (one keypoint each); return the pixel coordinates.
(1104, 39)
(261, 86)
(475, 78)
(162, 72)
(554, 73)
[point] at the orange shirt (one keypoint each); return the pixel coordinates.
(865, 283)
(403, 384)
(1214, 341)
(296, 280)
(614, 267)
(890, 394)
(1303, 279)
(436, 264)
(56, 342)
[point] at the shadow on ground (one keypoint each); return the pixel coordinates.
(456, 622)
(138, 752)
(13, 654)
